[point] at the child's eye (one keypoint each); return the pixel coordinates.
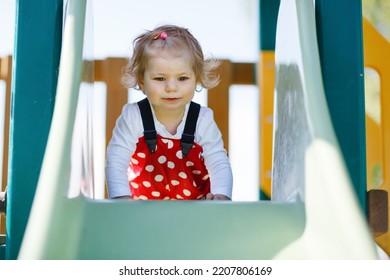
(159, 79)
(183, 78)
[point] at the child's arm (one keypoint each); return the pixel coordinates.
(116, 171)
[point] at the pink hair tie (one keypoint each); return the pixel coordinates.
(162, 36)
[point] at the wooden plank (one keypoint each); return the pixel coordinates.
(377, 211)
(243, 74)
(110, 71)
(6, 71)
(218, 101)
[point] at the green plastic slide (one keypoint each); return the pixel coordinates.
(313, 215)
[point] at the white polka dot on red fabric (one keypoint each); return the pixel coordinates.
(199, 196)
(183, 175)
(159, 178)
(186, 192)
(189, 163)
(134, 185)
(141, 155)
(146, 184)
(133, 160)
(171, 165)
(156, 194)
(205, 177)
(162, 159)
(149, 168)
(175, 182)
(179, 154)
(167, 187)
(168, 142)
(166, 198)
(142, 197)
(179, 196)
(197, 172)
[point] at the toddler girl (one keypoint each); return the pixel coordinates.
(166, 146)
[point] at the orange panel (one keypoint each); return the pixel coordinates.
(266, 74)
(377, 56)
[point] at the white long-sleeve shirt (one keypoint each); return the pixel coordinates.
(129, 129)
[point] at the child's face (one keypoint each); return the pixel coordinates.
(169, 80)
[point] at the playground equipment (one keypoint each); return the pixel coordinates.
(76, 228)
(376, 55)
(81, 228)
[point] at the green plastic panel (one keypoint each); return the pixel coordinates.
(35, 70)
(340, 43)
(308, 163)
(173, 230)
(268, 14)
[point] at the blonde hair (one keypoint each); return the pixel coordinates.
(178, 38)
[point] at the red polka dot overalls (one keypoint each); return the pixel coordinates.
(164, 169)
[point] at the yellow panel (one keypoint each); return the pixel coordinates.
(266, 77)
(377, 56)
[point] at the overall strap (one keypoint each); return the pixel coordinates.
(150, 134)
(188, 137)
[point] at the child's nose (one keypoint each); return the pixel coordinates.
(171, 85)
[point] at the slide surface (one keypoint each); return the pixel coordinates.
(307, 161)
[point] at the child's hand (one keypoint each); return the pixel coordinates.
(211, 196)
